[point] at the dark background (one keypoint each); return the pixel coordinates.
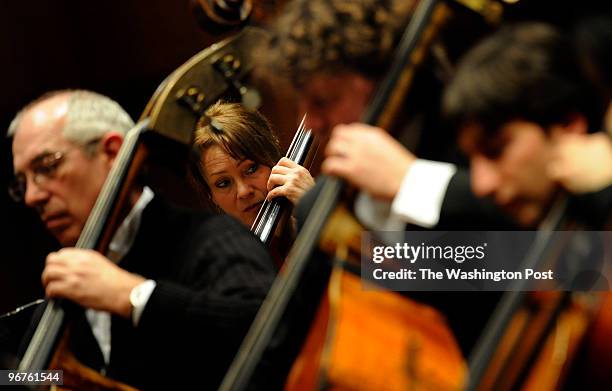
(121, 48)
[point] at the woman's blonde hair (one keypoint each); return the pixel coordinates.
(242, 133)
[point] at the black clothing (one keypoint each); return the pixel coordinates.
(592, 209)
(211, 276)
(463, 211)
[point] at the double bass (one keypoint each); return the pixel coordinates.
(533, 340)
(417, 354)
(158, 146)
(301, 150)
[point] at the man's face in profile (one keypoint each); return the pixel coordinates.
(510, 168)
(62, 181)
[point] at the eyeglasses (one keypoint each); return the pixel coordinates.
(43, 167)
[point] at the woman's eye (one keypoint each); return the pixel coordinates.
(222, 183)
(252, 168)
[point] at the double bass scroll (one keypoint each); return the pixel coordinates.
(159, 140)
(221, 71)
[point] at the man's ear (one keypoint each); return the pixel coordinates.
(575, 124)
(110, 145)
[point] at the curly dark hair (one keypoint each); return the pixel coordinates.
(331, 35)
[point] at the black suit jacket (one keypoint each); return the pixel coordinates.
(212, 274)
(462, 210)
(592, 209)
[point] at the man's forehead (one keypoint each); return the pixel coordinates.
(470, 138)
(492, 144)
(328, 82)
(39, 130)
(52, 109)
(318, 85)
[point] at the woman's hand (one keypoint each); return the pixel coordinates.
(290, 180)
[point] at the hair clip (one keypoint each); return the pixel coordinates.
(215, 126)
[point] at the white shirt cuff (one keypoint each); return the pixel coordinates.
(139, 297)
(422, 192)
(375, 214)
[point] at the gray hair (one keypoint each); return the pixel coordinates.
(90, 116)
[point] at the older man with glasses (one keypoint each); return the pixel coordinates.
(175, 283)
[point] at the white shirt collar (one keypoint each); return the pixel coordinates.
(126, 234)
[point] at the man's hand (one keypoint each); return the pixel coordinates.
(369, 158)
(582, 163)
(289, 179)
(89, 279)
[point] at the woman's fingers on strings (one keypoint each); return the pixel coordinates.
(276, 192)
(275, 180)
(287, 163)
(279, 169)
